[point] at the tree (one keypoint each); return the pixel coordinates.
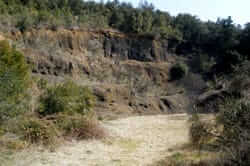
(2, 7)
(14, 81)
(117, 19)
(244, 41)
(190, 26)
(135, 22)
(147, 21)
(145, 5)
(228, 34)
(161, 19)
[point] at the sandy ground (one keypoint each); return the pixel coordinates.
(134, 141)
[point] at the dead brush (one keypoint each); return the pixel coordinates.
(80, 127)
(90, 129)
(39, 131)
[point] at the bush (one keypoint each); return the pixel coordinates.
(232, 136)
(234, 115)
(42, 84)
(33, 130)
(66, 98)
(178, 71)
(199, 132)
(37, 130)
(14, 82)
(80, 127)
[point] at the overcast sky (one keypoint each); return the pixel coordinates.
(205, 9)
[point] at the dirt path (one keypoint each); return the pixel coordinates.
(135, 141)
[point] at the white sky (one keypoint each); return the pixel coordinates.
(205, 9)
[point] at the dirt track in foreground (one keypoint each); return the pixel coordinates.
(134, 141)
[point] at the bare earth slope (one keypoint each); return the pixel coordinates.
(135, 141)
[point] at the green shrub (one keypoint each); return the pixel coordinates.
(178, 71)
(14, 82)
(66, 98)
(234, 115)
(230, 133)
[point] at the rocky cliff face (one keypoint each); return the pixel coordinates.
(129, 74)
(76, 45)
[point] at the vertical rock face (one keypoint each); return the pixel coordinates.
(140, 49)
(67, 51)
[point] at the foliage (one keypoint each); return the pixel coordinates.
(66, 98)
(235, 139)
(14, 81)
(190, 26)
(244, 39)
(25, 22)
(168, 32)
(123, 16)
(235, 116)
(228, 61)
(178, 71)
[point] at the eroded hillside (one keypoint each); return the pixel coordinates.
(129, 74)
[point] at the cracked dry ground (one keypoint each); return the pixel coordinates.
(134, 141)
